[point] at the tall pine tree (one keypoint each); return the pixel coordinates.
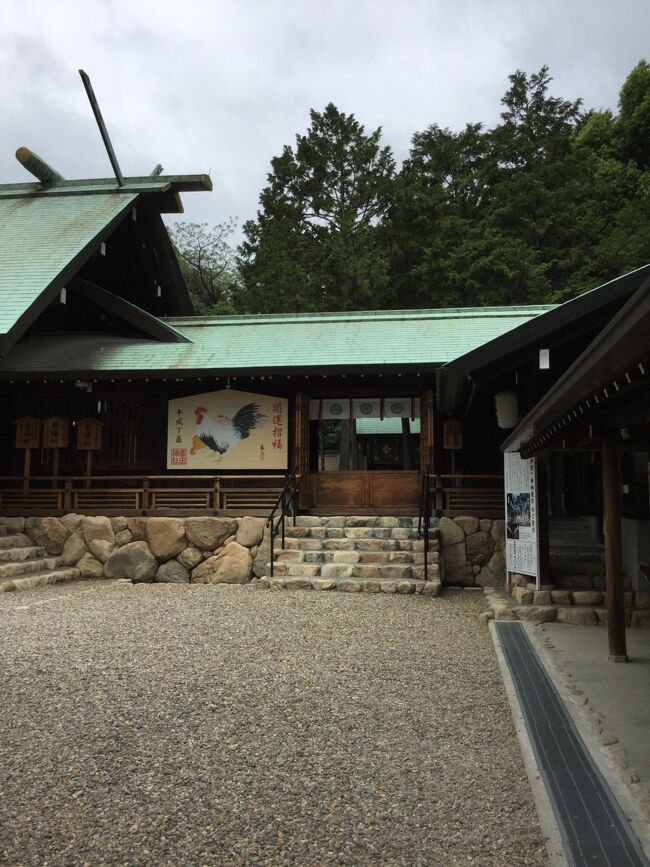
(316, 243)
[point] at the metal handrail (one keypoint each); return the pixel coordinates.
(424, 518)
(287, 500)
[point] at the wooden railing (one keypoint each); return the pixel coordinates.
(480, 495)
(140, 494)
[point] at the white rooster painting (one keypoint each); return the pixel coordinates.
(223, 432)
(228, 430)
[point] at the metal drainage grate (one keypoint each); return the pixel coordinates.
(593, 828)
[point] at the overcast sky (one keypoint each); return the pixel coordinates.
(220, 86)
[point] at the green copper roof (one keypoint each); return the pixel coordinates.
(261, 344)
(43, 242)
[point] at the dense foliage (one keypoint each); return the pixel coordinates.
(550, 202)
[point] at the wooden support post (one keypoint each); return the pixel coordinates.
(544, 563)
(26, 469)
(55, 467)
(613, 551)
(89, 468)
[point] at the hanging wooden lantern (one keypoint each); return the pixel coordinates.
(56, 433)
(28, 432)
(507, 407)
(452, 434)
(89, 434)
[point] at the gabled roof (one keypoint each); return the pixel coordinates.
(47, 233)
(396, 340)
(568, 316)
(43, 242)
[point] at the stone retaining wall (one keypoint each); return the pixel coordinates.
(232, 550)
(472, 551)
(178, 550)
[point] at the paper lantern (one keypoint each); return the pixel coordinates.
(507, 406)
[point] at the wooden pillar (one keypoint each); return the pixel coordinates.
(544, 564)
(301, 446)
(613, 551)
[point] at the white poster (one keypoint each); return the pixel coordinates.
(520, 484)
(227, 430)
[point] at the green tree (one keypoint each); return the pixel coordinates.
(208, 263)
(317, 243)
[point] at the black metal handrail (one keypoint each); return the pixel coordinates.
(424, 517)
(287, 501)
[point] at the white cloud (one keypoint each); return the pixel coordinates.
(222, 85)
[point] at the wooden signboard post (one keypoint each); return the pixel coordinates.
(55, 436)
(89, 439)
(452, 440)
(28, 437)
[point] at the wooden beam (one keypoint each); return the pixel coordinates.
(613, 550)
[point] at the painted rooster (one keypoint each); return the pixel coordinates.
(223, 433)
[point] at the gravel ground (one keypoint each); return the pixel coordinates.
(202, 725)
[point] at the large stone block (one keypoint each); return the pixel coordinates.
(138, 528)
(562, 597)
(542, 597)
(166, 537)
(450, 533)
(358, 532)
(523, 595)
(363, 521)
(587, 597)
(493, 574)
(134, 561)
(90, 567)
(71, 521)
(74, 549)
(349, 585)
(535, 613)
(172, 572)
(479, 547)
(338, 545)
(233, 565)
(250, 531)
(346, 557)
(322, 584)
(498, 533)
(190, 557)
(469, 525)
(457, 569)
(49, 533)
(99, 537)
(577, 616)
(336, 570)
(209, 533)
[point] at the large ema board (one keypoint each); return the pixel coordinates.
(520, 483)
(227, 430)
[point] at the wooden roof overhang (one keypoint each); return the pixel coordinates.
(558, 326)
(605, 392)
(48, 233)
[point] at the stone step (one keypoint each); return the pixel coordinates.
(28, 567)
(13, 555)
(352, 585)
(355, 521)
(3, 529)
(39, 579)
(15, 540)
(354, 533)
(353, 556)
